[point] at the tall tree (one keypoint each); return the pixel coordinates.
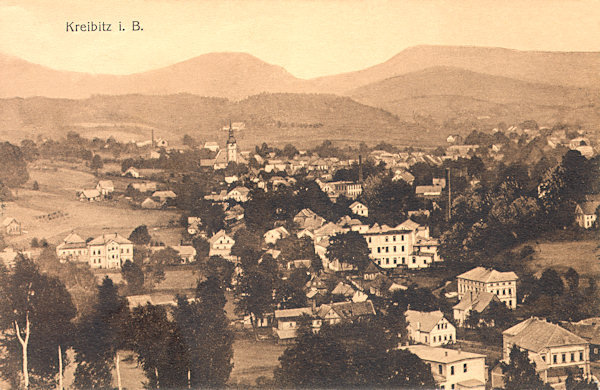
(159, 347)
(36, 313)
(14, 168)
(520, 372)
(134, 276)
(203, 327)
(100, 336)
(351, 248)
(140, 235)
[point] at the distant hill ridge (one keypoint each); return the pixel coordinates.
(237, 75)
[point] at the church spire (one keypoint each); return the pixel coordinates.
(231, 138)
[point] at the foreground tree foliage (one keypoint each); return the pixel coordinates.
(35, 314)
(520, 372)
(351, 248)
(361, 355)
(99, 338)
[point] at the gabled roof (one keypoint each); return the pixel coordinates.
(535, 334)
(426, 321)
(91, 193)
(217, 235)
(242, 190)
(486, 275)
(477, 303)
(347, 310)
(357, 203)
(293, 313)
(106, 184)
(73, 239)
(343, 289)
(589, 207)
(106, 238)
(408, 224)
(7, 221)
(164, 194)
(280, 230)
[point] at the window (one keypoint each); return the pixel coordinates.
(564, 357)
(387, 249)
(572, 356)
(465, 367)
(369, 240)
(554, 359)
(386, 239)
(544, 358)
(452, 387)
(402, 248)
(378, 249)
(580, 355)
(402, 238)
(394, 238)
(440, 369)
(451, 370)
(394, 248)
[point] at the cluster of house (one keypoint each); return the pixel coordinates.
(103, 190)
(556, 350)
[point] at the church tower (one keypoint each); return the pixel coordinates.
(231, 147)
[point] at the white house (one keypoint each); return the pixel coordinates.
(74, 248)
(274, 235)
(221, 244)
(106, 187)
(359, 209)
(502, 284)
(585, 213)
(407, 245)
(132, 172)
(109, 251)
(553, 348)
(453, 369)
(11, 226)
(239, 194)
(430, 328)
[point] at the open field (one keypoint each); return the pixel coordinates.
(581, 255)
(253, 359)
(57, 194)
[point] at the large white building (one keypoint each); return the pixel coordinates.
(453, 369)
(554, 349)
(406, 245)
(109, 251)
(479, 279)
(221, 244)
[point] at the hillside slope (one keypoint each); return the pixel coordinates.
(560, 68)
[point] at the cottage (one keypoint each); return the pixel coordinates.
(431, 328)
(585, 214)
(453, 369)
(187, 253)
(502, 284)
(106, 187)
(163, 196)
(239, 194)
(359, 209)
(272, 236)
(221, 244)
(11, 226)
(308, 219)
(132, 172)
(150, 204)
(90, 195)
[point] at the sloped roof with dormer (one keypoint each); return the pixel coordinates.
(535, 334)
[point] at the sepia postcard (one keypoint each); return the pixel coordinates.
(318, 194)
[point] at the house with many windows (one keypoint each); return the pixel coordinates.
(109, 251)
(73, 248)
(585, 214)
(407, 245)
(221, 244)
(359, 209)
(429, 328)
(553, 349)
(453, 369)
(502, 284)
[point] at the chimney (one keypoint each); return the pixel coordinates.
(360, 169)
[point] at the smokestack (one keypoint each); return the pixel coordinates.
(360, 169)
(449, 186)
(152, 138)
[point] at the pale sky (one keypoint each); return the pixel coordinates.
(307, 38)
